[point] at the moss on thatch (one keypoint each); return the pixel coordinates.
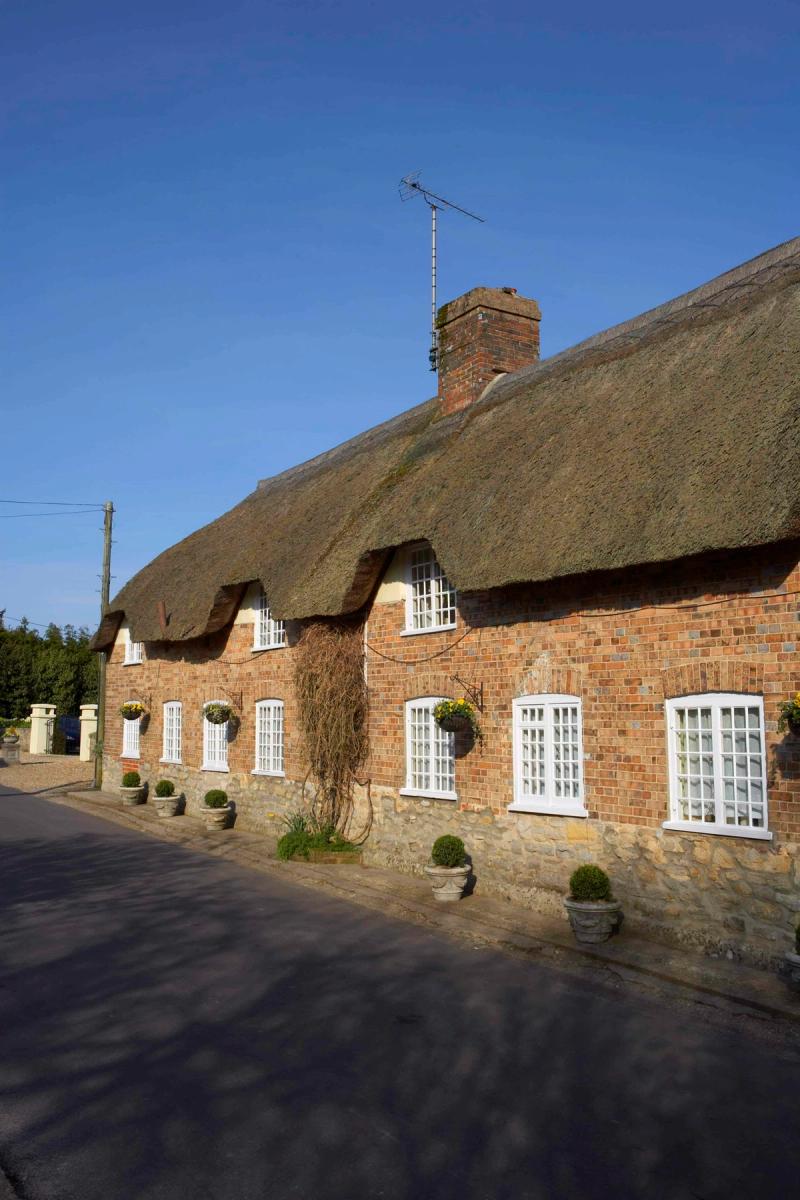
(671, 435)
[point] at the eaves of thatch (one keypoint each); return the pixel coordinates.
(671, 435)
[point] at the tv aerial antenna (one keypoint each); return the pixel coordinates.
(410, 186)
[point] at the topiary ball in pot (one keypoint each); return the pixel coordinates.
(217, 809)
(167, 803)
(589, 884)
(593, 913)
(448, 851)
(448, 870)
(131, 789)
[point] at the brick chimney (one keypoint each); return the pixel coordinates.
(484, 333)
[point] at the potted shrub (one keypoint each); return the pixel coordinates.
(216, 809)
(593, 913)
(167, 802)
(132, 791)
(448, 870)
(218, 713)
(132, 710)
(10, 736)
(456, 716)
(791, 967)
(789, 714)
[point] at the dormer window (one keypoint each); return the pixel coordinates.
(430, 598)
(268, 633)
(134, 651)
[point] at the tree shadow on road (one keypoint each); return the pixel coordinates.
(173, 1026)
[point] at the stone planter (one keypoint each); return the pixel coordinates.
(791, 970)
(132, 795)
(167, 806)
(216, 818)
(9, 750)
(448, 882)
(593, 921)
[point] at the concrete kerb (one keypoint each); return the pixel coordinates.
(479, 919)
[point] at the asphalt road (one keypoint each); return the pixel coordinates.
(173, 1026)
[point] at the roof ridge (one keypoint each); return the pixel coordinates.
(714, 293)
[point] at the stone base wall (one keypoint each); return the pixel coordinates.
(724, 895)
(718, 894)
(259, 802)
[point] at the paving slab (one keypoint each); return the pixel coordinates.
(477, 918)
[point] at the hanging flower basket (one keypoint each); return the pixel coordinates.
(218, 714)
(789, 714)
(132, 711)
(456, 716)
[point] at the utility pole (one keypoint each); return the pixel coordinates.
(105, 592)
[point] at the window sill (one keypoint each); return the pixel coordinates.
(740, 831)
(134, 662)
(549, 810)
(270, 774)
(261, 649)
(171, 762)
(428, 794)
(130, 757)
(430, 629)
(216, 770)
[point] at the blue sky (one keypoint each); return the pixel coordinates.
(209, 276)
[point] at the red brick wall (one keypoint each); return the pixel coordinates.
(221, 667)
(731, 624)
(623, 646)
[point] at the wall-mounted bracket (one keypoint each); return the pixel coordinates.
(475, 693)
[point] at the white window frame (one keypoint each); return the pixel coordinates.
(209, 733)
(716, 701)
(438, 737)
(548, 801)
(131, 736)
(269, 726)
(172, 732)
(134, 651)
(268, 634)
(439, 585)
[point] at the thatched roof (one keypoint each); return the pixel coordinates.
(673, 434)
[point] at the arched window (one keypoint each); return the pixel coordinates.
(269, 737)
(717, 764)
(130, 736)
(215, 743)
(548, 755)
(430, 752)
(173, 721)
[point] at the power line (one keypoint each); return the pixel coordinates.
(58, 503)
(69, 512)
(38, 624)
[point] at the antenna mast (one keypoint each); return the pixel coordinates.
(410, 187)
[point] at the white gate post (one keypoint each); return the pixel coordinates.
(88, 731)
(43, 720)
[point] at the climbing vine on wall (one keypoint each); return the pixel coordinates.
(331, 694)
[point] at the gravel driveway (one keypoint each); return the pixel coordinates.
(46, 773)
